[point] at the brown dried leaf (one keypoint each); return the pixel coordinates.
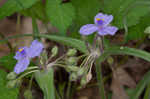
(117, 88)
(124, 78)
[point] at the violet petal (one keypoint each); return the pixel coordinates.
(88, 29)
(108, 30)
(35, 49)
(21, 65)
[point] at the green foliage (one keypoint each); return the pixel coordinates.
(12, 6)
(45, 80)
(37, 11)
(137, 32)
(6, 93)
(85, 12)
(60, 14)
(131, 10)
(8, 61)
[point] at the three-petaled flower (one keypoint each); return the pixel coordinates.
(101, 26)
(24, 54)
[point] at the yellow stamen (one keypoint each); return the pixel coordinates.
(20, 50)
(98, 19)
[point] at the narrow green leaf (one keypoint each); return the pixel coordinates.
(100, 79)
(12, 6)
(140, 87)
(45, 80)
(78, 44)
(35, 27)
(75, 43)
(60, 14)
(6, 93)
(128, 51)
(147, 95)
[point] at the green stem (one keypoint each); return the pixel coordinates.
(23, 75)
(33, 67)
(57, 94)
(147, 95)
(35, 28)
(18, 25)
(100, 79)
(68, 90)
(30, 83)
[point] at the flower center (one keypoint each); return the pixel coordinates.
(20, 50)
(99, 21)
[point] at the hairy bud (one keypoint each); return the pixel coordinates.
(71, 52)
(11, 76)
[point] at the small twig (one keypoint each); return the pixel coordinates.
(8, 43)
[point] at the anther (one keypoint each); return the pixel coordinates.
(20, 50)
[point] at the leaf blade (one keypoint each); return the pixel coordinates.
(131, 10)
(59, 14)
(12, 6)
(45, 80)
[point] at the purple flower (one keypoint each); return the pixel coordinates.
(101, 26)
(24, 54)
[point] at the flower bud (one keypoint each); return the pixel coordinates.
(110, 60)
(43, 57)
(18, 83)
(72, 68)
(28, 94)
(11, 76)
(73, 77)
(80, 72)
(71, 61)
(54, 51)
(83, 81)
(71, 52)
(11, 84)
(88, 77)
(147, 30)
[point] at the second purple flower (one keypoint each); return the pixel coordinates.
(101, 26)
